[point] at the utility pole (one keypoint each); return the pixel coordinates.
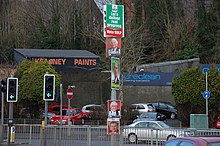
(113, 97)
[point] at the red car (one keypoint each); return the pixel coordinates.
(218, 123)
(75, 115)
(194, 141)
(55, 107)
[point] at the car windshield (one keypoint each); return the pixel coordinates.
(67, 112)
(148, 115)
(170, 106)
(164, 125)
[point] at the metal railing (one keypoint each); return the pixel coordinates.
(86, 135)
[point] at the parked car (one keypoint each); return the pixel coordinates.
(151, 130)
(166, 109)
(55, 107)
(75, 114)
(93, 107)
(194, 141)
(143, 107)
(93, 113)
(217, 126)
(153, 116)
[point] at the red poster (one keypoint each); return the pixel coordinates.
(113, 47)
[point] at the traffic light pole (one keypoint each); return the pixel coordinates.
(2, 119)
(46, 112)
(10, 122)
(2, 110)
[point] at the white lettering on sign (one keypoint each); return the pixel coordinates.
(69, 93)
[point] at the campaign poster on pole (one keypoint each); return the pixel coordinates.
(113, 18)
(114, 108)
(115, 73)
(113, 126)
(113, 47)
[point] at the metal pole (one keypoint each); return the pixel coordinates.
(61, 113)
(10, 118)
(2, 110)
(61, 104)
(113, 97)
(46, 112)
(2, 120)
(207, 113)
(206, 74)
(68, 111)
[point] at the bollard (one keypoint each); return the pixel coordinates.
(43, 124)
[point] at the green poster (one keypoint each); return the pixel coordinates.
(115, 73)
(114, 23)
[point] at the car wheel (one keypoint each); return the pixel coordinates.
(171, 137)
(173, 116)
(132, 138)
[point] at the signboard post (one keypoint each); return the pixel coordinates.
(69, 95)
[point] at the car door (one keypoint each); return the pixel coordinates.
(142, 130)
(76, 116)
(155, 130)
(163, 109)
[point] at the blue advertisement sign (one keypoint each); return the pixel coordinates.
(148, 79)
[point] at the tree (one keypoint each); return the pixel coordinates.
(187, 89)
(31, 79)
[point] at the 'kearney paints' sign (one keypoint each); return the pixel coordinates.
(148, 79)
(86, 62)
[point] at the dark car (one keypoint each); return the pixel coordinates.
(154, 116)
(166, 109)
(194, 141)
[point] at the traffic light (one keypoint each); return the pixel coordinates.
(49, 87)
(4, 85)
(12, 89)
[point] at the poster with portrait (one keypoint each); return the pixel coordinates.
(114, 108)
(113, 47)
(115, 73)
(113, 126)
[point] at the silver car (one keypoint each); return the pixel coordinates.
(151, 130)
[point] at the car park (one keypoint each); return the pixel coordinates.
(143, 107)
(166, 109)
(194, 141)
(153, 116)
(75, 115)
(151, 130)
